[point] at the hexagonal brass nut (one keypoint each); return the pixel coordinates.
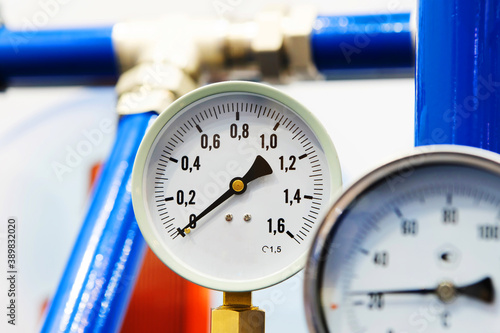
(226, 319)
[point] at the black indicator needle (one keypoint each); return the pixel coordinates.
(259, 168)
(482, 290)
(238, 185)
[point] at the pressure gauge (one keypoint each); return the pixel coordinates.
(229, 185)
(413, 246)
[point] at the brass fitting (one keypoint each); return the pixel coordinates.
(282, 44)
(151, 86)
(274, 46)
(237, 315)
(155, 70)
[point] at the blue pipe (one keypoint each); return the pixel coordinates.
(72, 54)
(98, 280)
(458, 74)
(351, 44)
(362, 43)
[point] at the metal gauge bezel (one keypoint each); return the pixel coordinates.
(139, 200)
(422, 156)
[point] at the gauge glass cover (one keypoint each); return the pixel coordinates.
(213, 141)
(414, 246)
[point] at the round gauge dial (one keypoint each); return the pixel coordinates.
(413, 246)
(229, 185)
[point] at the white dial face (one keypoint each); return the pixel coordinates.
(233, 188)
(417, 252)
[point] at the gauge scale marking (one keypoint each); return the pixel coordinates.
(219, 111)
(414, 246)
(232, 186)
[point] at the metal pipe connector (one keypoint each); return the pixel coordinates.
(275, 45)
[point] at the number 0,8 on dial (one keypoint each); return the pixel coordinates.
(229, 185)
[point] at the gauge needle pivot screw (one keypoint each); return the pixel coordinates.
(237, 186)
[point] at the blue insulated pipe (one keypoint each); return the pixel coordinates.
(458, 73)
(340, 44)
(360, 44)
(100, 275)
(78, 55)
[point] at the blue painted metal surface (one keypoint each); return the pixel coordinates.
(339, 44)
(57, 54)
(458, 73)
(346, 43)
(97, 283)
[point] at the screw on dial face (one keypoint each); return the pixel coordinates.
(231, 184)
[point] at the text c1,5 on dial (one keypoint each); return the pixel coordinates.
(229, 185)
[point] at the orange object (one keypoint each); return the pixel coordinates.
(164, 302)
(95, 171)
(334, 306)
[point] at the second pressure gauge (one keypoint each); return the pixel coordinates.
(412, 247)
(229, 185)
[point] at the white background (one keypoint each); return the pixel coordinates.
(369, 121)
